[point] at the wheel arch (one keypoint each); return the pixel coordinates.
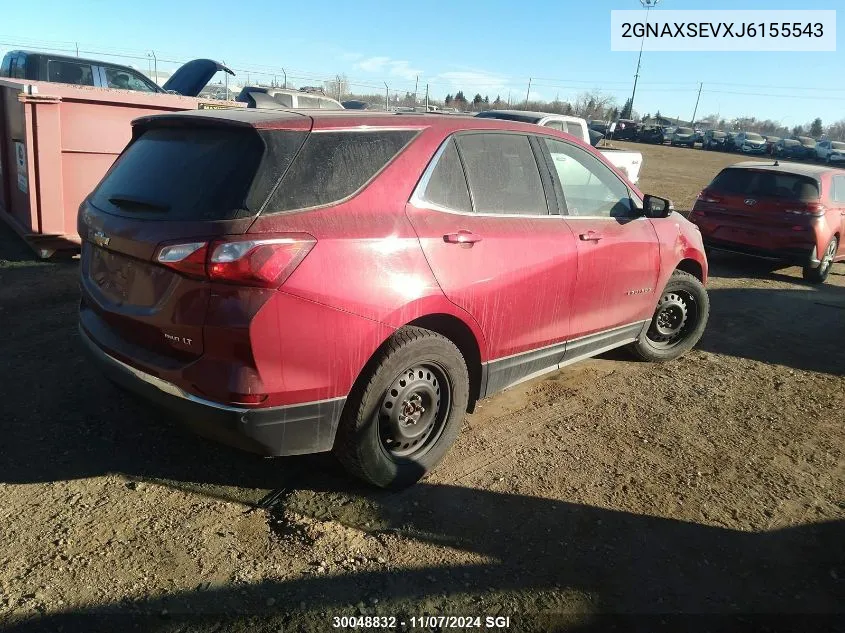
(454, 329)
(693, 267)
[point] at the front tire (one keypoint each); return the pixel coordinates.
(819, 274)
(678, 322)
(405, 411)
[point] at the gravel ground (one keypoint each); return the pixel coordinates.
(711, 485)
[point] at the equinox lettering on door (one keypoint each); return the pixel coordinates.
(178, 339)
(640, 291)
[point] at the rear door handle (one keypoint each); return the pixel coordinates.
(462, 237)
(590, 236)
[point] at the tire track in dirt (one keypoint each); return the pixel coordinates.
(503, 425)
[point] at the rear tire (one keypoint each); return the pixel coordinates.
(678, 322)
(405, 410)
(819, 274)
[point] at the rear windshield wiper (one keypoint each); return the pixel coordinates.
(133, 202)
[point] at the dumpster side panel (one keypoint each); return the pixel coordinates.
(58, 141)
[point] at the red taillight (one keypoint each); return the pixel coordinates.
(813, 209)
(706, 196)
(253, 260)
(257, 261)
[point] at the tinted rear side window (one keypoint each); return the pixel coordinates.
(447, 186)
(747, 182)
(70, 73)
(503, 174)
(195, 173)
(334, 165)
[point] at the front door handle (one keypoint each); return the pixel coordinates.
(590, 236)
(462, 237)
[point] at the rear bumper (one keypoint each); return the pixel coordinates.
(799, 256)
(272, 431)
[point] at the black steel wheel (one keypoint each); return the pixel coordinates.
(678, 322)
(405, 410)
(676, 314)
(413, 410)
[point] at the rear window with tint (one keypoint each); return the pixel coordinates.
(719, 135)
(684, 130)
(194, 173)
(748, 182)
(334, 165)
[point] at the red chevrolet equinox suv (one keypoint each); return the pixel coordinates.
(297, 282)
(786, 211)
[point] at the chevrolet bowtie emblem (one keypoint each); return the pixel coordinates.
(100, 239)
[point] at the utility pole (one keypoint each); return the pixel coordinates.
(426, 97)
(226, 79)
(648, 4)
(509, 98)
(155, 66)
(339, 95)
(528, 93)
(286, 78)
(694, 112)
(386, 96)
(77, 48)
(416, 85)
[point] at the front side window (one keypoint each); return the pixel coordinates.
(66, 72)
(503, 175)
(589, 187)
(308, 102)
(447, 186)
(125, 80)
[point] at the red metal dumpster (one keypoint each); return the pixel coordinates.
(56, 143)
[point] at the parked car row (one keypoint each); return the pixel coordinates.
(751, 143)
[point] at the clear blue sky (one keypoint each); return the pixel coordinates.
(491, 47)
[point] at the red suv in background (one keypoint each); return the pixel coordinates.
(294, 282)
(788, 211)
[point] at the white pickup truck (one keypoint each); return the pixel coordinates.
(628, 162)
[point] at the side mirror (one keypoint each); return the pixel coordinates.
(656, 207)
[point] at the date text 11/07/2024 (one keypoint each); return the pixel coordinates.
(423, 621)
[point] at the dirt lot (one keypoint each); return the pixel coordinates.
(711, 485)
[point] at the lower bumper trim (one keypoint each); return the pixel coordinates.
(271, 431)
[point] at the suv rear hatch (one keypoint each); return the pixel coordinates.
(183, 179)
(744, 205)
